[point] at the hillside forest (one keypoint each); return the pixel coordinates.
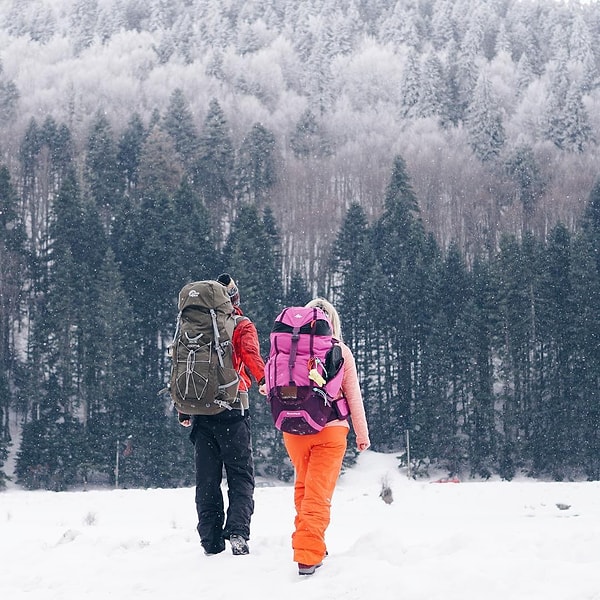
(430, 166)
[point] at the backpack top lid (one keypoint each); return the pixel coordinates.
(304, 318)
(205, 294)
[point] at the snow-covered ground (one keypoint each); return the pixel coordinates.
(471, 540)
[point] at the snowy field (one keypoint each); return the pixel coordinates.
(466, 541)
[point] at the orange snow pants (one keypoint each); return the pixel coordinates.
(317, 460)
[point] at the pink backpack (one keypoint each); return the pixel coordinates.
(304, 372)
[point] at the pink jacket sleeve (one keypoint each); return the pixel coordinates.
(352, 393)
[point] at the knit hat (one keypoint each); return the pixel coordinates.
(232, 289)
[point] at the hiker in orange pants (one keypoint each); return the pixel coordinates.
(317, 460)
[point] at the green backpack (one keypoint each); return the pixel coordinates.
(203, 380)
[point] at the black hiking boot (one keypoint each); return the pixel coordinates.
(239, 545)
(307, 569)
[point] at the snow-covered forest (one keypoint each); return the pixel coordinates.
(430, 165)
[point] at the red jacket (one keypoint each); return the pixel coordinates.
(246, 352)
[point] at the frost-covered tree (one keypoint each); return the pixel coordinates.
(577, 133)
(484, 122)
(434, 95)
(309, 140)
(442, 30)
(410, 85)
(83, 21)
(9, 99)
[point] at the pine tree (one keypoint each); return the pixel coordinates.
(256, 165)
(522, 167)
(453, 417)
(577, 133)
(558, 419)
(252, 257)
(521, 350)
(117, 401)
(309, 139)
(159, 169)
(399, 239)
(178, 122)
(433, 94)
(214, 173)
(484, 122)
(129, 152)
(352, 257)
(9, 100)
(585, 280)
(411, 85)
(13, 272)
(482, 323)
(102, 173)
(298, 293)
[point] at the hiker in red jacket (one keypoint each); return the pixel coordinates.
(224, 440)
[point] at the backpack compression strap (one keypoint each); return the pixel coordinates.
(218, 348)
(294, 348)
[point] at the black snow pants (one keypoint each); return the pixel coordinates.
(223, 440)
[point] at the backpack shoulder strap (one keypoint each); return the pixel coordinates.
(238, 318)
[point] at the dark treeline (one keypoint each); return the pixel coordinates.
(490, 362)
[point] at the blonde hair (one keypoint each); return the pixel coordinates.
(330, 311)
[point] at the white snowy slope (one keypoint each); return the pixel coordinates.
(471, 540)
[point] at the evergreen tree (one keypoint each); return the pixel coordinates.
(252, 257)
(484, 122)
(482, 324)
(214, 173)
(520, 351)
(522, 167)
(309, 139)
(9, 101)
(102, 173)
(178, 122)
(83, 21)
(352, 258)
(298, 293)
(159, 169)
(51, 454)
(441, 24)
(399, 239)
(586, 361)
(557, 318)
(577, 133)
(433, 91)
(256, 165)
(13, 271)
(57, 138)
(129, 152)
(553, 127)
(453, 416)
(410, 84)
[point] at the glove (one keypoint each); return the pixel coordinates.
(184, 419)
